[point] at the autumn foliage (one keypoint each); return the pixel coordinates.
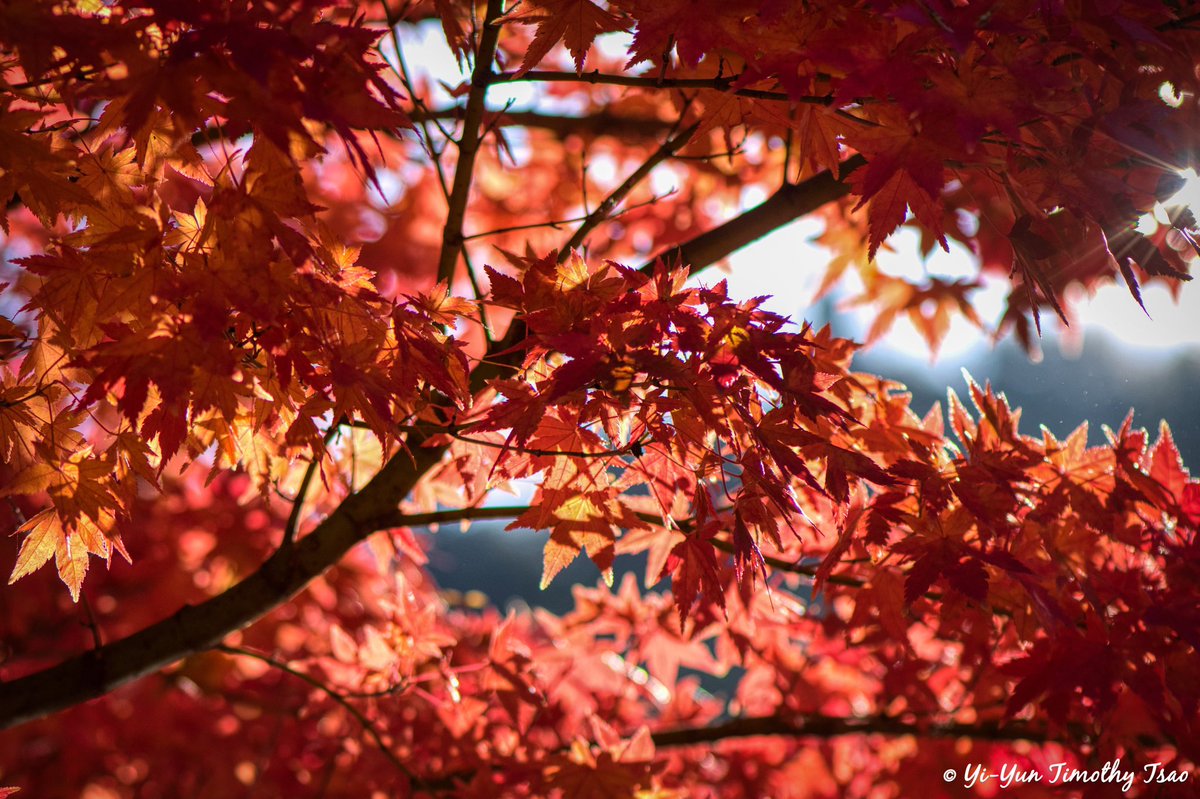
(283, 304)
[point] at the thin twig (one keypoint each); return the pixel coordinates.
(795, 568)
(603, 123)
(557, 224)
(293, 520)
(548, 453)
(93, 625)
(480, 296)
(358, 715)
(601, 212)
(401, 72)
(456, 515)
(78, 73)
(452, 430)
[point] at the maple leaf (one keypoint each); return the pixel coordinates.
(36, 167)
(616, 770)
(577, 524)
(963, 571)
(18, 421)
(46, 537)
(1191, 503)
(695, 572)
(819, 134)
(71, 560)
(929, 307)
(902, 172)
(576, 23)
(883, 601)
(441, 306)
(79, 485)
(42, 536)
(746, 554)
(1166, 466)
(521, 412)
(456, 37)
(230, 264)
(110, 175)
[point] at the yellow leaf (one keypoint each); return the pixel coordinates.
(44, 534)
(71, 558)
(190, 231)
(33, 478)
(92, 536)
(109, 176)
(83, 487)
(556, 556)
(572, 272)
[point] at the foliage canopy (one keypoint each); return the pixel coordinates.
(266, 300)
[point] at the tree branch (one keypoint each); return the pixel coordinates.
(602, 123)
(718, 84)
(422, 115)
(816, 726)
(513, 511)
(456, 515)
(283, 575)
(786, 205)
(195, 628)
(468, 146)
(293, 521)
(557, 224)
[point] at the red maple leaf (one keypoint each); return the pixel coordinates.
(575, 23)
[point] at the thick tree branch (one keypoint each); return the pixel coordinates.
(195, 628)
(786, 205)
(718, 84)
(602, 123)
(468, 146)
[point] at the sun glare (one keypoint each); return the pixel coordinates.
(1189, 193)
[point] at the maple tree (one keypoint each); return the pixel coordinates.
(273, 292)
